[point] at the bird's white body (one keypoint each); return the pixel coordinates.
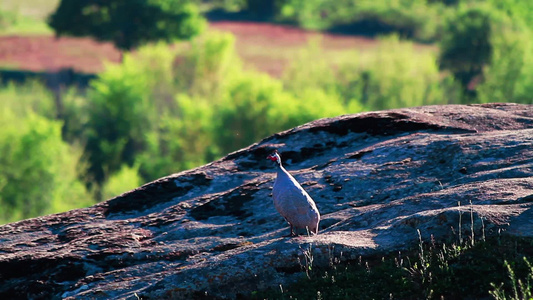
(293, 202)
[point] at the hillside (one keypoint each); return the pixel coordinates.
(377, 178)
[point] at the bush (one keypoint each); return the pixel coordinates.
(399, 76)
(31, 97)
(509, 76)
(243, 115)
(487, 47)
(466, 47)
(413, 19)
(135, 115)
(394, 75)
(256, 106)
(203, 70)
(310, 104)
(74, 115)
(38, 171)
(301, 74)
(155, 64)
(182, 141)
(120, 116)
(518, 10)
(126, 179)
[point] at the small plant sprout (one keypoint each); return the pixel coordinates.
(308, 256)
(460, 225)
(471, 223)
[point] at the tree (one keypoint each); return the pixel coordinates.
(466, 46)
(127, 23)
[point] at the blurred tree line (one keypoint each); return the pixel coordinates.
(168, 108)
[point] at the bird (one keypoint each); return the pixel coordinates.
(292, 201)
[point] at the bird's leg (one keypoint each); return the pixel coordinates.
(292, 232)
(314, 230)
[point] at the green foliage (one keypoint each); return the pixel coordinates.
(153, 109)
(31, 97)
(243, 115)
(257, 105)
(120, 117)
(74, 115)
(128, 23)
(182, 141)
(395, 75)
(154, 65)
(7, 19)
(518, 10)
(38, 170)
(466, 46)
(35, 9)
(414, 19)
(400, 76)
(204, 70)
(509, 76)
(306, 106)
(301, 75)
(488, 51)
(215, 108)
(125, 179)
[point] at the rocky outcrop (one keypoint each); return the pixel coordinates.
(376, 177)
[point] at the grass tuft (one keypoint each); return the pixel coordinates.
(497, 266)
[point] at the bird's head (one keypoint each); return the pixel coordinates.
(275, 157)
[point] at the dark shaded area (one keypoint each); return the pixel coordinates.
(52, 80)
(371, 27)
(387, 123)
(151, 195)
(38, 278)
(230, 204)
(218, 15)
(414, 274)
(304, 154)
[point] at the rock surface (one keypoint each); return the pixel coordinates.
(376, 177)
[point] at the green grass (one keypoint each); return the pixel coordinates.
(497, 266)
(30, 15)
(28, 26)
(35, 9)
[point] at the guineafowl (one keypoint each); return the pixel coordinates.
(292, 201)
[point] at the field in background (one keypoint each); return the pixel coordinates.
(269, 48)
(266, 47)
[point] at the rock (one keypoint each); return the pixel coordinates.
(376, 177)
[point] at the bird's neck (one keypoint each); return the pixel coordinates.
(281, 169)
